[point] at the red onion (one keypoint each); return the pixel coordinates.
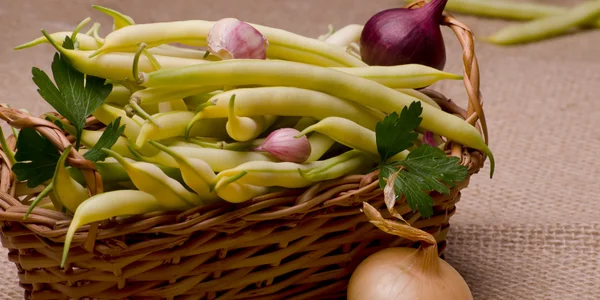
(400, 36)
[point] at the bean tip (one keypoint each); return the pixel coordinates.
(23, 46)
(154, 122)
(305, 174)
(97, 52)
(300, 135)
(490, 40)
(490, 155)
(457, 76)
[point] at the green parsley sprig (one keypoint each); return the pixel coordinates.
(75, 96)
(426, 168)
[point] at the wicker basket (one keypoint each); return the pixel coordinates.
(297, 244)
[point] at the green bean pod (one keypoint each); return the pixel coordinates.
(402, 76)
(114, 174)
(89, 138)
(290, 101)
(118, 96)
(243, 129)
(173, 124)
(282, 73)
(289, 175)
(195, 100)
(218, 159)
(181, 141)
(150, 179)
(346, 35)
(120, 20)
(235, 192)
(48, 205)
(152, 96)
(419, 95)
(319, 145)
(304, 122)
(353, 161)
(112, 171)
(174, 51)
(350, 134)
(547, 27)
(66, 189)
(268, 174)
(86, 42)
(117, 66)
(173, 105)
(282, 44)
(159, 95)
(196, 173)
(107, 205)
(511, 10)
(107, 113)
(236, 146)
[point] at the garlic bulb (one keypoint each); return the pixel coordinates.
(231, 38)
(284, 145)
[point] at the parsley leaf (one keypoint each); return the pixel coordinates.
(396, 133)
(426, 168)
(433, 167)
(68, 43)
(71, 97)
(36, 158)
(75, 96)
(107, 139)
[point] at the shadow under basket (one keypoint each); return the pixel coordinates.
(295, 244)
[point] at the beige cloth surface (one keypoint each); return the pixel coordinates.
(532, 232)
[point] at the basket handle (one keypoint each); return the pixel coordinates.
(55, 135)
(470, 68)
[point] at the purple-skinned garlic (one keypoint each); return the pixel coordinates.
(432, 139)
(231, 38)
(428, 138)
(285, 146)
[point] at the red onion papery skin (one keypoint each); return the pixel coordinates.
(400, 36)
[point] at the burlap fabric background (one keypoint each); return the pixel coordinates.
(533, 232)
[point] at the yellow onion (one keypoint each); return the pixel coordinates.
(405, 273)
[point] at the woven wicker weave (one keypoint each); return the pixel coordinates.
(297, 244)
